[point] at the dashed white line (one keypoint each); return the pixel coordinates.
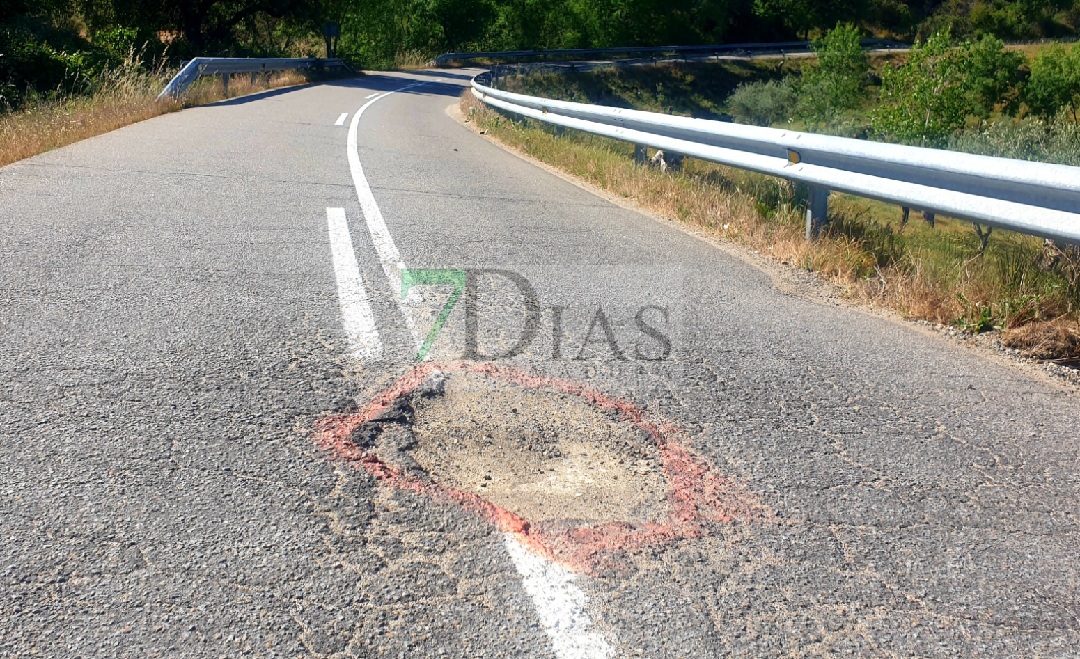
(341, 120)
(560, 605)
(387, 251)
(372, 95)
(356, 313)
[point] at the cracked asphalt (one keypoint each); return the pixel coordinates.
(170, 336)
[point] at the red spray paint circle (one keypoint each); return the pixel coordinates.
(697, 494)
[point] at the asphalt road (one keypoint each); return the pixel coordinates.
(680, 460)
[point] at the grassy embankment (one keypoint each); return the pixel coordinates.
(1029, 291)
(119, 97)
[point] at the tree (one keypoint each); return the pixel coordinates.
(991, 75)
(801, 17)
(1054, 84)
(838, 83)
(932, 95)
(209, 26)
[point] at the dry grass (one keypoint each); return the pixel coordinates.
(411, 60)
(936, 274)
(1033, 50)
(122, 97)
(1051, 339)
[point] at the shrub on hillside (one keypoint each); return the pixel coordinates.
(123, 43)
(763, 103)
(36, 59)
(1056, 140)
(1007, 19)
(922, 100)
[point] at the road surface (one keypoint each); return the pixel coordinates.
(216, 438)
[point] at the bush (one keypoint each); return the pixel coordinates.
(1056, 141)
(1054, 84)
(839, 81)
(36, 59)
(763, 103)
(1007, 19)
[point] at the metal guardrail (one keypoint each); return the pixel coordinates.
(579, 53)
(1035, 198)
(228, 66)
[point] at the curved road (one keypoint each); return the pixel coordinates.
(193, 333)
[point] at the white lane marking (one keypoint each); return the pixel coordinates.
(341, 120)
(356, 313)
(371, 95)
(387, 251)
(560, 605)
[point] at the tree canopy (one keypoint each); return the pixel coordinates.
(44, 43)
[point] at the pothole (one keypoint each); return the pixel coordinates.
(547, 456)
(573, 474)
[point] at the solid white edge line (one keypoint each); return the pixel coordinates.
(341, 119)
(560, 605)
(387, 251)
(356, 315)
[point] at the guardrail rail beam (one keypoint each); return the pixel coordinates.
(1039, 199)
(226, 66)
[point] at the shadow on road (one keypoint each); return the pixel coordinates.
(258, 96)
(450, 84)
(439, 83)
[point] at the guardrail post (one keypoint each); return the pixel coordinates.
(225, 83)
(817, 211)
(641, 153)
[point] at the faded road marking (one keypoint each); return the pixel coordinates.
(341, 120)
(387, 251)
(559, 603)
(356, 313)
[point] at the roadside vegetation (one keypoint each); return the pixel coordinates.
(975, 95)
(115, 98)
(68, 72)
(46, 45)
(60, 58)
